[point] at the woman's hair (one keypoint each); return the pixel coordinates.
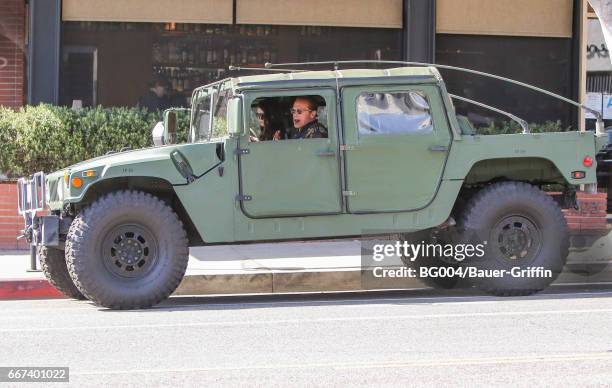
(272, 123)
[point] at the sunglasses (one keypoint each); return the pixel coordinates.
(299, 111)
(260, 116)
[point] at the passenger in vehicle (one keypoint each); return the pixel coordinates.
(269, 128)
(304, 113)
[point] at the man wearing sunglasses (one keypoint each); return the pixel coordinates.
(304, 113)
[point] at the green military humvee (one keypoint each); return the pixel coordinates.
(396, 158)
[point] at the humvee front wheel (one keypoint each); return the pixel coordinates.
(53, 266)
(127, 250)
(523, 235)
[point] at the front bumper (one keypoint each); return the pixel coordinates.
(32, 200)
(31, 194)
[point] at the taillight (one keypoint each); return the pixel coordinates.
(587, 161)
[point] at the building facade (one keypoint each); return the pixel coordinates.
(94, 52)
(12, 52)
(599, 69)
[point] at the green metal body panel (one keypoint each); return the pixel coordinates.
(398, 172)
(292, 177)
(247, 229)
(210, 200)
(564, 150)
(288, 178)
(312, 188)
(149, 163)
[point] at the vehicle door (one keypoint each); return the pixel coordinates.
(397, 141)
(298, 177)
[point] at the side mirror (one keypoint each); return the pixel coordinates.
(234, 117)
(170, 126)
(158, 134)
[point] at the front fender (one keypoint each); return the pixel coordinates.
(153, 163)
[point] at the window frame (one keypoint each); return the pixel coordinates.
(328, 94)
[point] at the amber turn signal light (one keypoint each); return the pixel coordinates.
(77, 182)
(89, 173)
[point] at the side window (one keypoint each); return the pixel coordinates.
(288, 117)
(393, 113)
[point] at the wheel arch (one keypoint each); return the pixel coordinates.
(537, 171)
(534, 170)
(158, 187)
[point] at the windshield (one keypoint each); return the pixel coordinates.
(215, 96)
(200, 115)
(220, 113)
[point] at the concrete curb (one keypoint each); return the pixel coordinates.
(236, 283)
(282, 282)
(269, 282)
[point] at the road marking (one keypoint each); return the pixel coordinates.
(582, 284)
(373, 301)
(440, 299)
(370, 365)
(487, 360)
(306, 320)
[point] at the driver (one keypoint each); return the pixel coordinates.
(304, 113)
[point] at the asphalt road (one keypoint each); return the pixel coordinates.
(562, 337)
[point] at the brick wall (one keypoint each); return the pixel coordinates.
(12, 52)
(590, 217)
(10, 222)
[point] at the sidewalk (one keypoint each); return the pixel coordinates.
(287, 268)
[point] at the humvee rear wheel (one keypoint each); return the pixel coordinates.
(127, 250)
(53, 265)
(524, 234)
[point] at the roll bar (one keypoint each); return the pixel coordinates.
(599, 126)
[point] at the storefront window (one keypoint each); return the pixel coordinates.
(114, 64)
(543, 62)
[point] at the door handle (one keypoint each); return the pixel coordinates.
(326, 154)
(438, 148)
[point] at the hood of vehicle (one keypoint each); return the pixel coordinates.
(120, 157)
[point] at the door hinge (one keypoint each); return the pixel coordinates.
(346, 147)
(242, 151)
(349, 193)
(243, 197)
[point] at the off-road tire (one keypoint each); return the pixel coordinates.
(523, 227)
(53, 265)
(122, 227)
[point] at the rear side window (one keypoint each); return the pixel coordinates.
(393, 113)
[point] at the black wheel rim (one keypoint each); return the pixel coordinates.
(517, 238)
(129, 251)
